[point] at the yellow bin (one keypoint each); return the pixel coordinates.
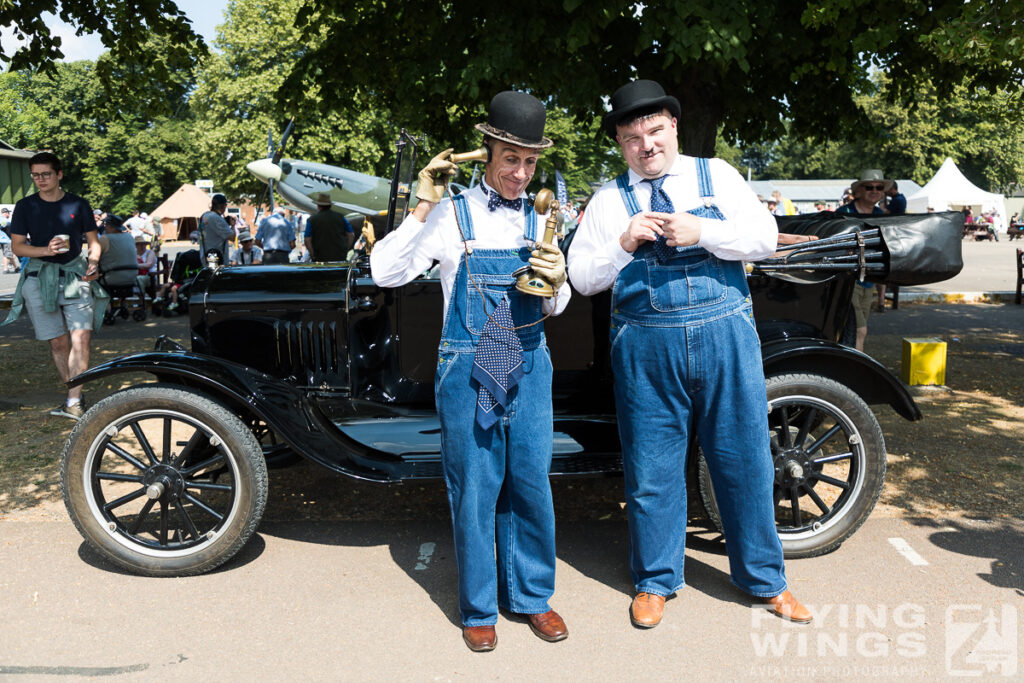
(924, 361)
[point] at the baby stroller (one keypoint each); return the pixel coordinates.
(172, 298)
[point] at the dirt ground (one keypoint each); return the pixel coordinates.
(965, 458)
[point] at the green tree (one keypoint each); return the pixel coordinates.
(235, 103)
(744, 66)
(125, 28)
(977, 127)
(119, 160)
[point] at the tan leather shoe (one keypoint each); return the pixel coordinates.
(787, 607)
(548, 626)
(646, 610)
(480, 638)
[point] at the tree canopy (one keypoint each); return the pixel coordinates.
(792, 89)
(117, 156)
(123, 27)
(747, 67)
(977, 127)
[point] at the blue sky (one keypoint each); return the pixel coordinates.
(206, 15)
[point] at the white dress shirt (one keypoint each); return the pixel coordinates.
(408, 251)
(748, 232)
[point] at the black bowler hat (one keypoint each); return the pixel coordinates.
(516, 118)
(640, 94)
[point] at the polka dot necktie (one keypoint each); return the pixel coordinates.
(497, 365)
(661, 203)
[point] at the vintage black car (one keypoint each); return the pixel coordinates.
(169, 478)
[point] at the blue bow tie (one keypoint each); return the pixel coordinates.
(495, 200)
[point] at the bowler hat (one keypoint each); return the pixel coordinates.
(639, 94)
(516, 118)
(872, 175)
(323, 199)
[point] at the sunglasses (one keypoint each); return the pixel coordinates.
(873, 188)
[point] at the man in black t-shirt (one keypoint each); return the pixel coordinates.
(329, 235)
(57, 287)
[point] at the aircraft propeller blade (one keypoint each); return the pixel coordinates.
(284, 140)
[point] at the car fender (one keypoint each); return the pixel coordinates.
(871, 380)
(285, 408)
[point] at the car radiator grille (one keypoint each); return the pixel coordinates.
(309, 351)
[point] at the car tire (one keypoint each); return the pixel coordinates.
(820, 499)
(163, 481)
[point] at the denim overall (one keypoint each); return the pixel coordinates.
(497, 479)
(686, 356)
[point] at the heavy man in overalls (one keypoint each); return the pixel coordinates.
(669, 237)
(493, 381)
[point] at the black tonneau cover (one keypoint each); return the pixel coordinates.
(912, 249)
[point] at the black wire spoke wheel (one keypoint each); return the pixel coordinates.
(164, 481)
(828, 456)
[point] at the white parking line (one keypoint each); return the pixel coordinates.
(904, 549)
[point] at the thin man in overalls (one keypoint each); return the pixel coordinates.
(493, 381)
(669, 236)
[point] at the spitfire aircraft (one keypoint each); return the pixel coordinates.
(354, 194)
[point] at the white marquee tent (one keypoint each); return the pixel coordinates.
(949, 189)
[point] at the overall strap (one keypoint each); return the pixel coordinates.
(530, 232)
(628, 195)
(463, 216)
(704, 187)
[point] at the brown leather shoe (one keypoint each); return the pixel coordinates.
(480, 638)
(548, 626)
(787, 607)
(646, 610)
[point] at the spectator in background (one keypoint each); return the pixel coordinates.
(783, 206)
(867, 193)
(846, 198)
(329, 235)
(58, 286)
(146, 259)
(276, 237)
(819, 206)
(895, 202)
(214, 231)
(186, 265)
(118, 264)
(5, 243)
(246, 254)
(135, 223)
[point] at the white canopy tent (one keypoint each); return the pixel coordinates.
(950, 190)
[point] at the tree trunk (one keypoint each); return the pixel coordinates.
(699, 93)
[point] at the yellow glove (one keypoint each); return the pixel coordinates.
(369, 236)
(549, 262)
(435, 176)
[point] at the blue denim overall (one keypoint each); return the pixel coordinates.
(686, 356)
(497, 479)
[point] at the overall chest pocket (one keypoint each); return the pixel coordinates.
(686, 281)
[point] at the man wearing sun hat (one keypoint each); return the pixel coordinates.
(493, 378)
(328, 233)
(247, 254)
(868, 191)
(669, 237)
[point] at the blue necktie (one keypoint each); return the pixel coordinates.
(497, 365)
(661, 203)
(494, 200)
